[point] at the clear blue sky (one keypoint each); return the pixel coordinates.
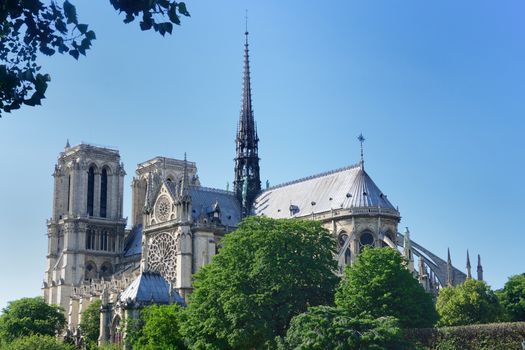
(436, 88)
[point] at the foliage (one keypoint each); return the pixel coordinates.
(512, 298)
(495, 336)
(30, 27)
(28, 316)
(379, 284)
(267, 272)
(90, 324)
(160, 328)
(37, 342)
(325, 327)
(472, 302)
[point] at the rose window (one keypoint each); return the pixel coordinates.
(162, 256)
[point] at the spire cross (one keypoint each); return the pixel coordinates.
(246, 22)
(361, 139)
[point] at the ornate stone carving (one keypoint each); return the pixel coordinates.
(162, 255)
(162, 209)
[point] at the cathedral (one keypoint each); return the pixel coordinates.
(177, 225)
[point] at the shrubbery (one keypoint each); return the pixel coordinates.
(495, 336)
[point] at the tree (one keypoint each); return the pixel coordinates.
(267, 272)
(325, 327)
(512, 298)
(28, 316)
(38, 342)
(472, 302)
(30, 27)
(90, 324)
(379, 284)
(159, 328)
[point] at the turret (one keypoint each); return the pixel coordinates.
(469, 274)
(407, 250)
(450, 276)
(480, 269)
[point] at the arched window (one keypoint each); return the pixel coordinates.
(341, 239)
(90, 190)
(91, 271)
(103, 193)
(366, 239)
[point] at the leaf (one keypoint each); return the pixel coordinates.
(70, 12)
(74, 53)
(82, 28)
(91, 35)
(183, 10)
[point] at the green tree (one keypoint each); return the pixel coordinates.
(325, 327)
(512, 298)
(37, 342)
(30, 27)
(379, 284)
(90, 324)
(28, 316)
(472, 302)
(159, 328)
(267, 272)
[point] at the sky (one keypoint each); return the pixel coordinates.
(436, 88)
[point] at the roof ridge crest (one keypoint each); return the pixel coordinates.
(288, 183)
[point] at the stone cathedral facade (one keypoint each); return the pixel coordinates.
(177, 225)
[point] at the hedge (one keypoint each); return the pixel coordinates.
(493, 336)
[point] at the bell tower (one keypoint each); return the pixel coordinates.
(247, 183)
(86, 229)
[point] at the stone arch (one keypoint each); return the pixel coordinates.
(90, 270)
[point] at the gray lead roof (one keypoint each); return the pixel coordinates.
(349, 187)
(203, 200)
(150, 287)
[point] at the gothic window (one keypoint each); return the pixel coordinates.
(366, 239)
(341, 239)
(90, 190)
(103, 192)
(91, 271)
(348, 257)
(106, 269)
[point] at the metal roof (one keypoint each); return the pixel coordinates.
(133, 245)
(150, 287)
(349, 187)
(204, 199)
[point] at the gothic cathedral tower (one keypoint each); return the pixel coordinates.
(86, 230)
(247, 183)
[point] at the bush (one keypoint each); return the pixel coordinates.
(37, 342)
(325, 327)
(494, 336)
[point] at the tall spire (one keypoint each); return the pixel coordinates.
(469, 274)
(247, 143)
